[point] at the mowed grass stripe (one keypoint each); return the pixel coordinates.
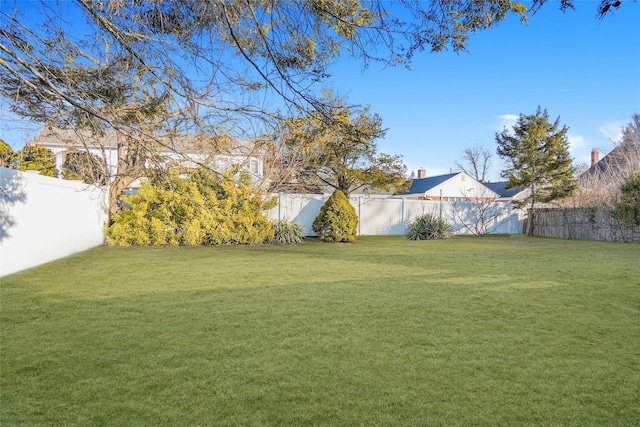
(474, 331)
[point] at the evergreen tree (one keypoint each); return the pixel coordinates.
(337, 220)
(537, 157)
(627, 208)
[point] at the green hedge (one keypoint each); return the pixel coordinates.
(201, 209)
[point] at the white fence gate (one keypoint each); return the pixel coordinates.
(380, 215)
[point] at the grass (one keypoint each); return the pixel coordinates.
(468, 331)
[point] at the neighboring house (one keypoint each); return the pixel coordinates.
(504, 195)
(182, 151)
(599, 184)
(457, 186)
(620, 161)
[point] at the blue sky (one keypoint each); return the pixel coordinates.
(585, 70)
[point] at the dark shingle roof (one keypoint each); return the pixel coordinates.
(498, 187)
(624, 156)
(419, 186)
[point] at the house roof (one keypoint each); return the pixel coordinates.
(68, 138)
(499, 188)
(419, 186)
(624, 156)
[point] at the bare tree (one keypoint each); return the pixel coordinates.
(480, 213)
(599, 185)
(476, 162)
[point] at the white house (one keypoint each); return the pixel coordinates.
(185, 151)
(510, 195)
(453, 187)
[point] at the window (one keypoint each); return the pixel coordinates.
(254, 166)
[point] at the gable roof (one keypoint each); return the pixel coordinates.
(499, 188)
(419, 186)
(624, 156)
(63, 138)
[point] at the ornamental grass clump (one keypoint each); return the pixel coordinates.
(428, 227)
(337, 221)
(287, 233)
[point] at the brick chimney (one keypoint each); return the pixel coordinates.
(422, 173)
(595, 157)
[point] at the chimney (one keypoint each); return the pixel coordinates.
(595, 157)
(422, 173)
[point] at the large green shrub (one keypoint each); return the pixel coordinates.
(199, 210)
(337, 221)
(627, 208)
(37, 158)
(428, 227)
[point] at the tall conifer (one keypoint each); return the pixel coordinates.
(537, 157)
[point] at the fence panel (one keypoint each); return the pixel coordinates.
(381, 216)
(44, 218)
(583, 223)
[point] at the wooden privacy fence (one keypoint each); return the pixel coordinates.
(583, 223)
(380, 215)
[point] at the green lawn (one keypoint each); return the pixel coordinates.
(386, 331)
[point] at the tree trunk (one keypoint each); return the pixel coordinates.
(126, 172)
(116, 187)
(530, 225)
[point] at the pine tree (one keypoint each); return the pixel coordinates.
(537, 156)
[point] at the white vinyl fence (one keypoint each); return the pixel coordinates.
(381, 215)
(43, 219)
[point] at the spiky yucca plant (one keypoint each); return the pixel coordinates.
(287, 233)
(428, 227)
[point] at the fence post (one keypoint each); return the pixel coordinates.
(359, 216)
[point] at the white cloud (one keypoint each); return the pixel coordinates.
(579, 149)
(613, 130)
(576, 142)
(506, 121)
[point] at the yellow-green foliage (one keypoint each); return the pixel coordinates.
(199, 210)
(37, 158)
(6, 153)
(337, 221)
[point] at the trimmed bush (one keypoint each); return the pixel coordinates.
(428, 227)
(337, 221)
(287, 233)
(200, 210)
